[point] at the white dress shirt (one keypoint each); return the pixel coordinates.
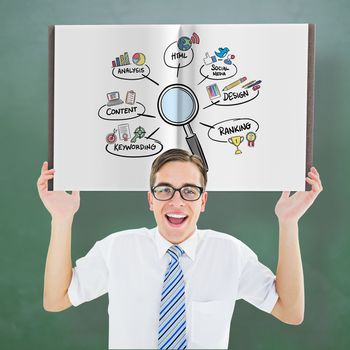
(130, 266)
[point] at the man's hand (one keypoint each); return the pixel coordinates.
(292, 208)
(60, 204)
(289, 275)
(58, 270)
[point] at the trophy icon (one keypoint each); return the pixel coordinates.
(236, 141)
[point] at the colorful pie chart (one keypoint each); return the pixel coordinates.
(139, 59)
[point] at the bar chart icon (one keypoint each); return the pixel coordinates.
(122, 60)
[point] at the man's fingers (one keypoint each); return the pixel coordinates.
(76, 194)
(48, 172)
(43, 179)
(45, 166)
(314, 183)
(42, 187)
(313, 174)
(285, 194)
(314, 170)
(45, 176)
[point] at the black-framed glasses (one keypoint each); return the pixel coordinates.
(187, 192)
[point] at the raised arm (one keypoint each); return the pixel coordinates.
(58, 270)
(289, 276)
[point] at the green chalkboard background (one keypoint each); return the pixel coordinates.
(25, 224)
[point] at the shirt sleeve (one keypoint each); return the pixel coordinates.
(90, 277)
(257, 282)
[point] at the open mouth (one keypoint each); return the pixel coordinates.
(176, 219)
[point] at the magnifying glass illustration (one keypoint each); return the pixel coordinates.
(178, 105)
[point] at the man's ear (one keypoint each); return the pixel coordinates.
(150, 200)
(204, 201)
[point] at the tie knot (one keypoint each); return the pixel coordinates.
(175, 252)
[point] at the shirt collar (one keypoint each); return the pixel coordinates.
(189, 245)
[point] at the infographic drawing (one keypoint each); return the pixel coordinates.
(224, 92)
(178, 104)
(234, 131)
(179, 54)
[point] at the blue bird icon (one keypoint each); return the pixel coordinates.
(222, 52)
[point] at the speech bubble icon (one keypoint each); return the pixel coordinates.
(175, 58)
(121, 112)
(218, 70)
(222, 131)
(146, 147)
(234, 98)
(131, 73)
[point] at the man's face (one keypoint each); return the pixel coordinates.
(177, 218)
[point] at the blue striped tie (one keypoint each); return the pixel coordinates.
(172, 317)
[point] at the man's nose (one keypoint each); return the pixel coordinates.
(177, 199)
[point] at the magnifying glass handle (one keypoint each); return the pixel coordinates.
(196, 148)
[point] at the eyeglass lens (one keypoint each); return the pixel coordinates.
(189, 193)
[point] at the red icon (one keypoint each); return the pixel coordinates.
(112, 137)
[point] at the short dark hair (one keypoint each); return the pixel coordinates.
(177, 154)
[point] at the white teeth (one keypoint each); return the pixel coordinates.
(177, 216)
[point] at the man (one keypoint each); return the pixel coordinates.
(174, 286)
